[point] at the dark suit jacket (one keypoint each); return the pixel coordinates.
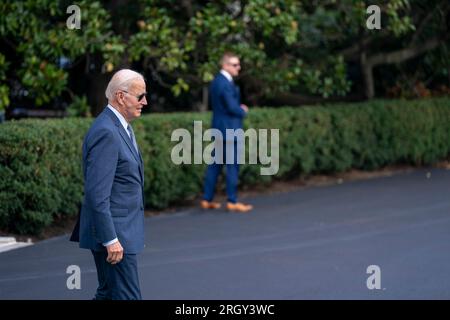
(226, 104)
(113, 204)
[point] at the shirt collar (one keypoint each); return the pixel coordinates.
(121, 118)
(227, 75)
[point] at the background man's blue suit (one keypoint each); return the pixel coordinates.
(113, 205)
(227, 114)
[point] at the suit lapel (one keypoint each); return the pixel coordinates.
(128, 141)
(231, 83)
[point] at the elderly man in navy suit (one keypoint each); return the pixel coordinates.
(111, 221)
(228, 113)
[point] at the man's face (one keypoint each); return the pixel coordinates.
(133, 100)
(232, 66)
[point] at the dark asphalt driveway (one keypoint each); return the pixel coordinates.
(314, 243)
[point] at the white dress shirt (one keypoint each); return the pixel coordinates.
(227, 75)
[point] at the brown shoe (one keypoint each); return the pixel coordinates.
(239, 207)
(209, 205)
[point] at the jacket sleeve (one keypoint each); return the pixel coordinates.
(231, 104)
(101, 161)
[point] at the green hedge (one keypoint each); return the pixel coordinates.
(40, 161)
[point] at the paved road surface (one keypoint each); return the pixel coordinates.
(314, 243)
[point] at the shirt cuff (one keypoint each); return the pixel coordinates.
(110, 242)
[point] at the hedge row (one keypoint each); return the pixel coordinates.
(40, 161)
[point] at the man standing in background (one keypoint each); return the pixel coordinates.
(228, 113)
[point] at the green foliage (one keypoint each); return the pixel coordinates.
(42, 77)
(400, 23)
(37, 32)
(4, 89)
(41, 172)
(79, 107)
(285, 45)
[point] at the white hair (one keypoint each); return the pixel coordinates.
(121, 80)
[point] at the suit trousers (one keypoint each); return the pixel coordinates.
(117, 281)
(232, 175)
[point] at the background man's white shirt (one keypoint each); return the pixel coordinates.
(227, 75)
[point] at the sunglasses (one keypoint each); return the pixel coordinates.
(139, 97)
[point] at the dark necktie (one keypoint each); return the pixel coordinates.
(133, 139)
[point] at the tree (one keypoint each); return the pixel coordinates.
(305, 50)
(37, 40)
(413, 28)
